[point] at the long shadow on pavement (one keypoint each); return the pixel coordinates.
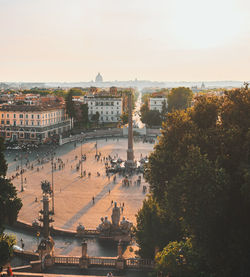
(98, 197)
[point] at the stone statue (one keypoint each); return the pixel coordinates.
(104, 225)
(115, 216)
(125, 226)
(80, 228)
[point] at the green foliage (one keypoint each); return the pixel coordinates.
(177, 259)
(70, 104)
(164, 110)
(148, 234)
(3, 164)
(179, 98)
(199, 174)
(10, 205)
(143, 111)
(95, 117)
(124, 118)
(150, 117)
(84, 115)
(6, 248)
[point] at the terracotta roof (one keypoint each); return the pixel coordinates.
(29, 108)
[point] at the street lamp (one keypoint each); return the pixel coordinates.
(21, 172)
(81, 157)
(52, 181)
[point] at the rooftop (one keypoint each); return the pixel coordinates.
(29, 108)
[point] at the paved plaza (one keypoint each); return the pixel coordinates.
(74, 195)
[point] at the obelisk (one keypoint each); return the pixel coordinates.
(130, 151)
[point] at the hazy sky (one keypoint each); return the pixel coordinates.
(165, 40)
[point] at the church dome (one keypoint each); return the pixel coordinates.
(98, 78)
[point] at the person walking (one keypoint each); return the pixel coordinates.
(10, 273)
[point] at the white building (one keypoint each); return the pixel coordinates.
(30, 123)
(155, 103)
(109, 108)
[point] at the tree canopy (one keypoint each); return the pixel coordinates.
(10, 205)
(179, 98)
(199, 176)
(124, 118)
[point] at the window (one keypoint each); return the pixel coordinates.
(14, 122)
(38, 123)
(26, 116)
(27, 122)
(8, 122)
(21, 115)
(38, 116)
(14, 115)
(2, 121)
(32, 122)
(32, 116)
(111, 112)
(7, 115)
(21, 122)
(107, 112)
(2, 115)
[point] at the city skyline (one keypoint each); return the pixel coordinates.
(71, 41)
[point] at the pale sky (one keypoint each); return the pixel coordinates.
(161, 40)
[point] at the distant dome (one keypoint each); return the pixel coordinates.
(98, 78)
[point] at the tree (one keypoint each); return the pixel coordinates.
(95, 117)
(153, 118)
(10, 205)
(147, 232)
(70, 104)
(143, 111)
(179, 98)
(199, 174)
(6, 248)
(84, 114)
(164, 110)
(177, 259)
(124, 118)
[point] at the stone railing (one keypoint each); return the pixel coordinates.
(139, 263)
(98, 134)
(66, 260)
(102, 262)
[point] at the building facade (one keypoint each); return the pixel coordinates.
(109, 108)
(156, 103)
(28, 123)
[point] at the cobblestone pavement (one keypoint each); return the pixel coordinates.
(74, 195)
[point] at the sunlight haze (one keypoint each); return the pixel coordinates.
(175, 40)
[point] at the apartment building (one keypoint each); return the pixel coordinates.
(155, 103)
(32, 123)
(109, 108)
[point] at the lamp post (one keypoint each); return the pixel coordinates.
(81, 157)
(52, 181)
(96, 148)
(21, 172)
